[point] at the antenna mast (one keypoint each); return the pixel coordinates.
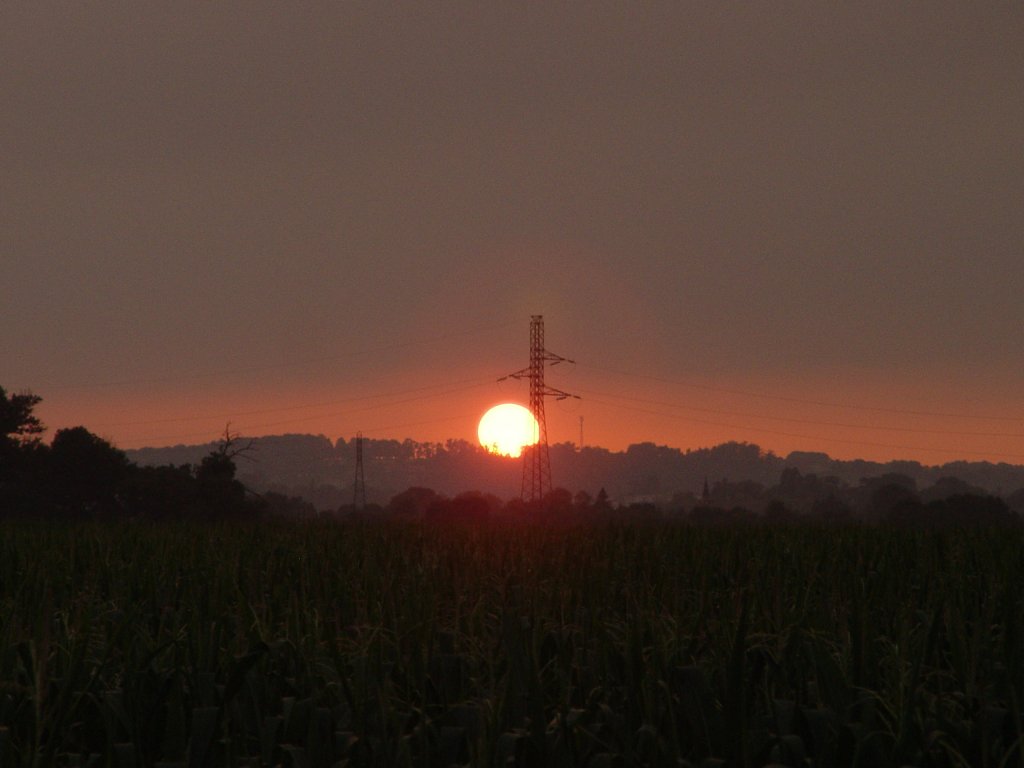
(536, 459)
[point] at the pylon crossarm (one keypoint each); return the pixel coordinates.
(554, 359)
(558, 394)
(536, 461)
(523, 374)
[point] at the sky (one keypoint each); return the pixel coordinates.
(793, 224)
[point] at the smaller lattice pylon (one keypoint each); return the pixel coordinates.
(359, 489)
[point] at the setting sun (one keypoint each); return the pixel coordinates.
(507, 428)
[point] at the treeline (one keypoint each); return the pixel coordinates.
(82, 476)
(796, 500)
(892, 499)
(322, 471)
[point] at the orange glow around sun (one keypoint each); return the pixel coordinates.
(507, 428)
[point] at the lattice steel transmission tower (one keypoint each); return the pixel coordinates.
(536, 458)
(359, 489)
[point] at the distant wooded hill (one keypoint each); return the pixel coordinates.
(738, 474)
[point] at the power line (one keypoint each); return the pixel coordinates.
(382, 406)
(799, 400)
(815, 438)
(380, 402)
(812, 422)
(366, 432)
(237, 370)
(303, 406)
(369, 407)
(442, 420)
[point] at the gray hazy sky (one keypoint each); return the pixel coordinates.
(798, 224)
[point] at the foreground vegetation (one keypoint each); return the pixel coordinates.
(498, 644)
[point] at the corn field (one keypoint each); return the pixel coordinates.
(327, 644)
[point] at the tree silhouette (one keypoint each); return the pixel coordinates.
(21, 455)
(413, 502)
(19, 427)
(220, 494)
(86, 473)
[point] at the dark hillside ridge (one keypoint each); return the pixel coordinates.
(313, 467)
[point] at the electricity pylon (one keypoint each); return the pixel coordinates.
(359, 489)
(536, 459)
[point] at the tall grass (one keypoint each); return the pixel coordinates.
(413, 645)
